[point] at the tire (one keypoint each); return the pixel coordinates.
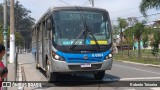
(99, 75)
(51, 76)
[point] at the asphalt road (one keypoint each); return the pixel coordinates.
(121, 74)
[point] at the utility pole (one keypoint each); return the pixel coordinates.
(5, 30)
(12, 36)
(5, 34)
(92, 2)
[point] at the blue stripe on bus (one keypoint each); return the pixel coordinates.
(79, 58)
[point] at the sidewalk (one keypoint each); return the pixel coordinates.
(11, 76)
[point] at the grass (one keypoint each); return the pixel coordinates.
(132, 56)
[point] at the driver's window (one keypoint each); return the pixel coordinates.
(103, 28)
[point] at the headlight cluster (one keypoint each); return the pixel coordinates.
(57, 57)
(109, 56)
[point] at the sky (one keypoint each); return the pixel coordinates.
(116, 8)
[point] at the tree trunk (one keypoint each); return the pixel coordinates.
(139, 48)
(128, 50)
(121, 34)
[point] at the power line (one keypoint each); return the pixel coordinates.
(144, 17)
(65, 2)
(124, 10)
(85, 3)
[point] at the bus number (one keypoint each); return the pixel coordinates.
(74, 16)
(97, 55)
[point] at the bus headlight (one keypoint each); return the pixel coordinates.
(106, 58)
(57, 57)
(109, 56)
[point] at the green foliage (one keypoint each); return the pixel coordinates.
(138, 30)
(1, 35)
(146, 34)
(148, 4)
(144, 6)
(1, 14)
(132, 21)
(23, 24)
(122, 23)
(115, 30)
(128, 35)
(155, 43)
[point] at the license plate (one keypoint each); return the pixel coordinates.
(85, 65)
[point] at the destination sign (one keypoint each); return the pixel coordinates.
(79, 15)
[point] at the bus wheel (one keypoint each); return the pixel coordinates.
(51, 76)
(99, 75)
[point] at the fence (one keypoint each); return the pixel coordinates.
(132, 55)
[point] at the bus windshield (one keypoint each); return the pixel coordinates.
(69, 27)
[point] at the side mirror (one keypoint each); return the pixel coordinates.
(49, 24)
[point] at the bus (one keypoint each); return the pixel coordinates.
(73, 40)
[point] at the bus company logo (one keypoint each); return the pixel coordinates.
(85, 57)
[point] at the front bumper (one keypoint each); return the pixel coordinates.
(62, 66)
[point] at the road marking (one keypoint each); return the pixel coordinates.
(20, 77)
(126, 79)
(139, 78)
(156, 88)
(136, 69)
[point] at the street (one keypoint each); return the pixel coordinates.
(120, 72)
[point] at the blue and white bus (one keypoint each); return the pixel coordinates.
(73, 40)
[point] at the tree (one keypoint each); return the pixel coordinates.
(144, 6)
(138, 31)
(122, 24)
(128, 35)
(115, 30)
(1, 14)
(155, 43)
(23, 23)
(148, 4)
(132, 21)
(147, 33)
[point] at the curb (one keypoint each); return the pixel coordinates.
(151, 65)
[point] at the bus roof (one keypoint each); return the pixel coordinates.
(75, 7)
(67, 8)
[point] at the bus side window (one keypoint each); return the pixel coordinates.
(49, 24)
(44, 29)
(48, 27)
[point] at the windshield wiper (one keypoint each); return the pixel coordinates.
(94, 38)
(84, 31)
(77, 38)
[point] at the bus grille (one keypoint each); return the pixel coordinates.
(83, 60)
(78, 67)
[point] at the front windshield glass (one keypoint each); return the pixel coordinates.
(69, 25)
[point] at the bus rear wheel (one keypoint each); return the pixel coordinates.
(99, 75)
(51, 76)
